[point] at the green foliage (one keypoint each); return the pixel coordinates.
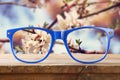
(116, 25)
(88, 4)
(78, 41)
(45, 24)
(19, 49)
(73, 26)
(67, 1)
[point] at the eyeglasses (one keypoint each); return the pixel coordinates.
(87, 44)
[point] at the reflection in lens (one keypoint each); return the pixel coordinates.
(85, 43)
(31, 44)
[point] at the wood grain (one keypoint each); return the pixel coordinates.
(59, 67)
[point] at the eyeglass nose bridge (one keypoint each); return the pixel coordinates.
(58, 34)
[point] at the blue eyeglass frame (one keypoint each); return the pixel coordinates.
(62, 35)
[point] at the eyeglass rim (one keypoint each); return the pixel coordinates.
(65, 33)
(110, 34)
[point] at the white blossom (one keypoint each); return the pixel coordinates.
(36, 43)
(73, 43)
(70, 20)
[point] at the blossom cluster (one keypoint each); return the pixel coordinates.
(76, 8)
(36, 43)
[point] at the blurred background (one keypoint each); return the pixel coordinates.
(23, 13)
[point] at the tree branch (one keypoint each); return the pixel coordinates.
(14, 3)
(92, 14)
(83, 8)
(103, 10)
(4, 40)
(51, 25)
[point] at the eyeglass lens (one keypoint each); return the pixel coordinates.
(31, 44)
(85, 43)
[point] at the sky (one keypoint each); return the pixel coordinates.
(12, 16)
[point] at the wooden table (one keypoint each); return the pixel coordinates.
(59, 67)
